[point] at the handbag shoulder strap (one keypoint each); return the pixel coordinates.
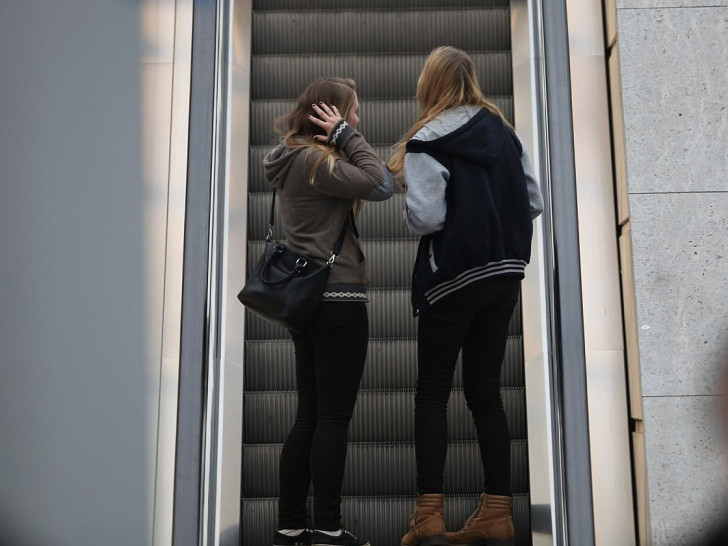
(271, 218)
(339, 242)
(342, 235)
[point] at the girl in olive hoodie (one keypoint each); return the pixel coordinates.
(322, 171)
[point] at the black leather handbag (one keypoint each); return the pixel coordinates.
(286, 286)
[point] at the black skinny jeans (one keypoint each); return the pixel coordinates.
(475, 319)
(329, 364)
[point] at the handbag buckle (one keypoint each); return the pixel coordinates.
(300, 264)
(269, 235)
(331, 259)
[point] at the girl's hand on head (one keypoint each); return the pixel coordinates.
(328, 118)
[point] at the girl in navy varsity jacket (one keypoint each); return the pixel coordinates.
(471, 197)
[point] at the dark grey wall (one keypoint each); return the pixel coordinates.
(73, 468)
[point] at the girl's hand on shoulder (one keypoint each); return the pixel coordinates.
(328, 118)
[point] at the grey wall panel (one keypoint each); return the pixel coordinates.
(680, 120)
(73, 385)
(674, 89)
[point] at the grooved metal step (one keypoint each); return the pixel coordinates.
(376, 76)
(379, 416)
(377, 220)
(390, 262)
(390, 317)
(385, 469)
(270, 365)
(370, 32)
(382, 521)
(380, 5)
(382, 121)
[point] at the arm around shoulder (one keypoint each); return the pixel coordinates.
(386, 190)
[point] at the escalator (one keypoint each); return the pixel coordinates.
(382, 44)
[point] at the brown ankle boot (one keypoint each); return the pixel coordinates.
(427, 522)
(491, 524)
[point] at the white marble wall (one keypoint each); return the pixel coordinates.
(674, 59)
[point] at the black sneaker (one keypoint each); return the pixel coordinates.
(345, 538)
(303, 539)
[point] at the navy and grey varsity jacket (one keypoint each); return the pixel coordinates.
(471, 196)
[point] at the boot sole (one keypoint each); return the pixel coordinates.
(436, 540)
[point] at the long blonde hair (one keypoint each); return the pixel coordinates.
(297, 131)
(447, 80)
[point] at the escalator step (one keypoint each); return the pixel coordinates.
(377, 220)
(292, 5)
(390, 316)
(378, 519)
(382, 470)
(379, 416)
(390, 262)
(305, 32)
(376, 76)
(270, 365)
(382, 121)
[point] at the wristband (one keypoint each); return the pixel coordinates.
(340, 134)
